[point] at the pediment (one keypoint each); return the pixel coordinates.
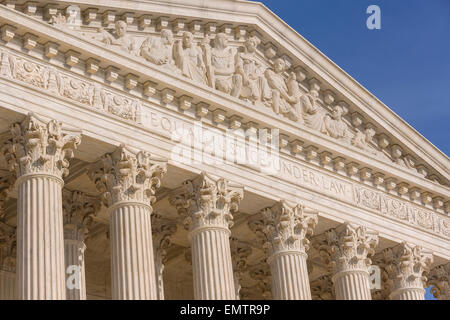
(172, 49)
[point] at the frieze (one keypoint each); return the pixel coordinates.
(399, 210)
(65, 85)
(94, 95)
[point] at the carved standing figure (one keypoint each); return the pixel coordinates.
(221, 66)
(189, 58)
(120, 38)
(285, 93)
(159, 50)
(255, 87)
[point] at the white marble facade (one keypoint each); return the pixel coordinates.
(154, 151)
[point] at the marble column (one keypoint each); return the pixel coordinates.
(207, 205)
(439, 279)
(162, 230)
(38, 152)
(240, 251)
(128, 180)
(79, 210)
(8, 280)
(405, 265)
(346, 249)
(286, 229)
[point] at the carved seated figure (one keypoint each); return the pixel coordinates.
(335, 125)
(362, 140)
(314, 115)
(285, 93)
(255, 87)
(221, 66)
(189, 59)
(119, 38)
(159, 50)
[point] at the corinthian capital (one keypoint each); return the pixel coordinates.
(162, 230)
(440, 280)
(322, 288)
(348, 247)
(405, 266)
(240, 251)
(79, 210)
(6, 184)
(285, 227)
(41, 147)
(126, 175)
(205, 201)
(7, 247)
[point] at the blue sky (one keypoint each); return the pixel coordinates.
(406, 64)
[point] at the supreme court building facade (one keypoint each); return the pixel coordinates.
(204, 150)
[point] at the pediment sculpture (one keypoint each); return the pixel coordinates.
(240, 71)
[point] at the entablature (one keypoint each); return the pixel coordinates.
(70, 64)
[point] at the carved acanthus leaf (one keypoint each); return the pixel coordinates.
(284, 227)
(41, 147)
(322, 288)
(348, 247)
(162, 230)
(79, 210)
(7, 247)
(205, 201)
(125, 175)
(405, 266)
(439, 279)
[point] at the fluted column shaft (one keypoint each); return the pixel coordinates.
(133, 269)
(285, 230)
(40, 238)
(352, 285)
(290, 279)
(408, 294)
(8, 285)
(212, 266)
(207, 205)
(128, 180)
(76, 275)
